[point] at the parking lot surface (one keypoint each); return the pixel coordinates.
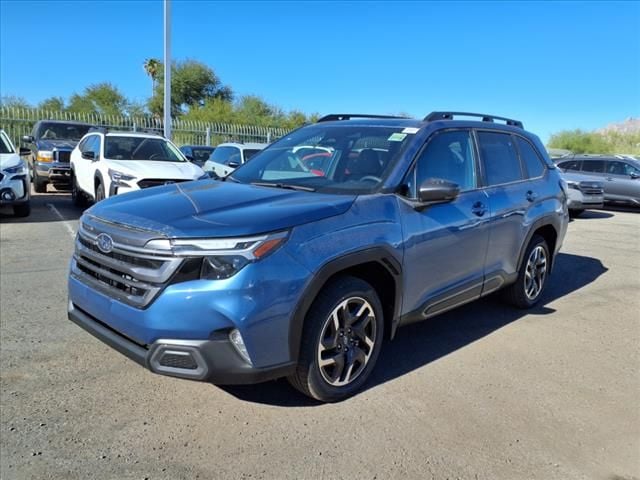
(482, 392)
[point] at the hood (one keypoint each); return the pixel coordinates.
(45, 144)
(8, 160)
(577, 177)
(218, 209)
(157, 169)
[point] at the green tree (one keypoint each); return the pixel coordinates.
(13, 101)
(192, 84)
(152, 67)
(52, 104)
(102, 99)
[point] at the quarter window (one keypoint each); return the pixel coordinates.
(499, 157)
(534, 165)
(449, 156)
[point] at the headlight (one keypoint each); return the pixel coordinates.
(573, 185)
(222, 257)
(120, 178)
(20, 169)
(44, 156)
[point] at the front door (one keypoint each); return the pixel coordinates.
(445, 244)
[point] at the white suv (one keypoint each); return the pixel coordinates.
(229, 156)
(104, 164)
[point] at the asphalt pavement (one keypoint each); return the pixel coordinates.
(482, 392)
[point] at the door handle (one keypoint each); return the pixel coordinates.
(531, 196)
(478, 209)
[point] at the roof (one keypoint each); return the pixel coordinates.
(65, 122)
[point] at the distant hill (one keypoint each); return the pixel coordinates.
(621, 137)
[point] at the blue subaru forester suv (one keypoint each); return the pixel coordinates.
(303, 260)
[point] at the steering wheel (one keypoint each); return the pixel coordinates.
(370, 178)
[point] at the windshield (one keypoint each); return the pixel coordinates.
(140, 148)
(201, 154)
(327, 158)
(5, 144)
(62, 131)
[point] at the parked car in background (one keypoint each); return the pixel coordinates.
(280, 272)
(197, 154)
(229, 156)
(14, 178)
(583, 193)
(106, 163)
(620, 175)
(50, 145)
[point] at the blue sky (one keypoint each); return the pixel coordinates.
(554, 65)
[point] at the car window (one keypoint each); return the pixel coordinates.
(499, 157)
(359, 157)
(90, 144)
(532, 161)
(249, 152)
(62, 131)
(573, 165)
(224, 155)
(118, 147)
(201, 154)
(448, 155)
(596, 166)
(615, 167)
(5, 145)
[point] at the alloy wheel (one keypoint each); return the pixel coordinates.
(535, 272)
(346, 342)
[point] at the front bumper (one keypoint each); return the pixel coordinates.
(55, 172)
(214, 359)
(14, 189)
(581, 201)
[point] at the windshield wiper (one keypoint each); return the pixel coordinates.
(284, 185)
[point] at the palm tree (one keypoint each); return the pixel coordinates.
(151, 67)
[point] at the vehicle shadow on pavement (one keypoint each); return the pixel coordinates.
(41, 209)
(419, 344)
(593, 214)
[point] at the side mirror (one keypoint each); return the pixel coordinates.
(89, 155)
(634, 175)
(437, 190)
(233, 164)
(24, 151)
(27, 139)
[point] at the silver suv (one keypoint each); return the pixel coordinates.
(620, 175)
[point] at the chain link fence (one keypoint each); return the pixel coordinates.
(17, 122)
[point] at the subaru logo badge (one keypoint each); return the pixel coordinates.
(105, 243)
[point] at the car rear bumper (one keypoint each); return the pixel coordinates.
(213, 360)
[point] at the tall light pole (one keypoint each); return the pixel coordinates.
(167, 69)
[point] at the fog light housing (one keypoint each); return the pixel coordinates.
(238, 342)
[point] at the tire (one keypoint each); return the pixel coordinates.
(99, 192)
(576, 213)
(330, 327)
(23, 210)
(39, 185)
(78, 198)
(523, 293)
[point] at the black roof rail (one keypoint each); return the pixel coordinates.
(433, 116)
(348, 116)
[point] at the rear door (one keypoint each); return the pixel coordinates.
(622, 181)
(511, 197)
(445, 244)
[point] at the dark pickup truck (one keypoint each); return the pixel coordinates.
(51, 143)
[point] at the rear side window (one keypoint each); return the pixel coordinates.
(532, 161)
(596, 166)
(500, 159)
(573, 165)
